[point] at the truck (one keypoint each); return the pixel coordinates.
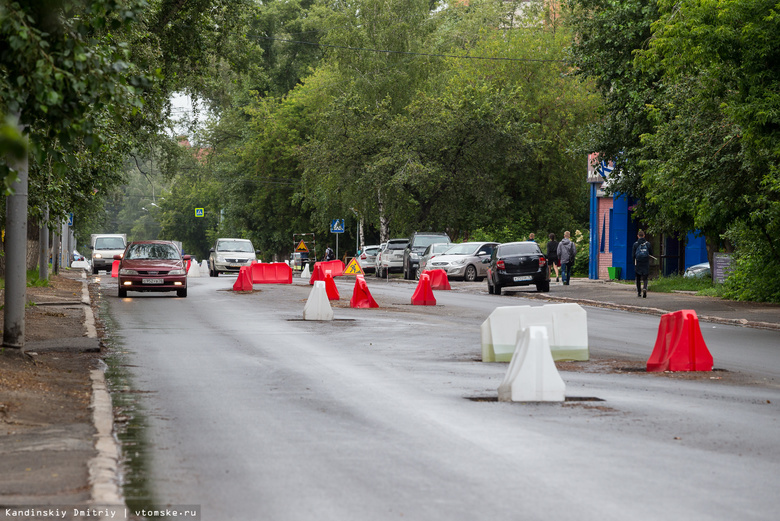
(104, 246)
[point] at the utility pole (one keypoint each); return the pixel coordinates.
(16, 256)
(43, 260)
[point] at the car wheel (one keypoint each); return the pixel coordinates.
(491, 290)
(417, 274)
(543, 286)
(181, 292)
(122, 293)
(496, 289)
(471, 274)
(95, 270)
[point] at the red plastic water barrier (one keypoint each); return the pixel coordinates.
(244, 280)
(270, 273)
(679, 345)
(336, 268)
(189, 263)
(439, 279)
(115, 269)
(330, 287)
(361, 297)
(423, 295)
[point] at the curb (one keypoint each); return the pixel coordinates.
(104, 467)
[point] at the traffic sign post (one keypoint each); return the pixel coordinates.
(337, 227)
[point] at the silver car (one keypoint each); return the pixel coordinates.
(467, 260)
(430, 252)
(367, 258)
(392, 257)
(228, 255)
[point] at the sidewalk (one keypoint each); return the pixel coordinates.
(616, 295)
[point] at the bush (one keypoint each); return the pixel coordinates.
(581, 259)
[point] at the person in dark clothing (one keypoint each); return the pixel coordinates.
(566, 253)
(329, 255)
(641, 253)
(552, 254)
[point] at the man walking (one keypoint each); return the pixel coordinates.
(566, 252)
(641, 253)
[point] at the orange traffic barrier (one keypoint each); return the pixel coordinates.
(270, 273)
(115, 269)
(336, 268)
(439, 279)
(330, 287)
(361, 297)
(423, 295)
(189, 263)
(679, 345)
(244, 280)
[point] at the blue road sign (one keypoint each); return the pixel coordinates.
(70, 219)
(337, 226)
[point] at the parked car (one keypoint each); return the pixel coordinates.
(465, 260)
(392, 258)
(699, 271)
(416, 247)
(517, 264)
(378, 261)
(367, 258)
(152, 266)
(228, 255)
(430, 252)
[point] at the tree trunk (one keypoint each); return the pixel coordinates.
(33, 244)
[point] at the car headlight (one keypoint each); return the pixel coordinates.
(414, 256)
(220, 258)
(125, 271)
(177, 272)
(97, 256)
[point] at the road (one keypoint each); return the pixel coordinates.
(253, 413)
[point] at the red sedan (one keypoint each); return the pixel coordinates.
(152, 266)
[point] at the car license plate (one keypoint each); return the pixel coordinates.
(234, 265)
(152, 281)
(523, 278)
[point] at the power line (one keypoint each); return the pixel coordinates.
(411, 53)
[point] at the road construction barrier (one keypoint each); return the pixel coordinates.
(439, 279)
(679, 345)
(189, 263)
(361, 297)
(244, 280)
(423, 294)
(330, 287)
(567, 331)
(193, 270)
(270, 273)
(115, 268)
(204, 266)
(336, 268)
(532, 375)
(318, 306)
(305, 274)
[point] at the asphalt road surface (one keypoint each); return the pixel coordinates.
(253, 413)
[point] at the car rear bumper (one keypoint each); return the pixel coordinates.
(525, 279)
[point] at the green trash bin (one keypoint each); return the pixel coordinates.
(614, 273)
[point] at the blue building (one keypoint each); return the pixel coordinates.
(613, 233)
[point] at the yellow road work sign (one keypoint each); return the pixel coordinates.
(301, 246)
(353, 268)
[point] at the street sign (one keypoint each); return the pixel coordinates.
(301, 247)
(199, 212)
(70, 219)
(337, 226)
(353, 268)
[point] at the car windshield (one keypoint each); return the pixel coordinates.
(467, 248)
(152, 251)
(423, 241)
(242, 246)
(519, 248)
(371, 251)
(397, 245)
(109, 243)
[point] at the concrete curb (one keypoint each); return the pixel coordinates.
(104, 467)
(658, 312)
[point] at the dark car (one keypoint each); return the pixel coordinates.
(416, 247)
(517, 264)
(152, 266)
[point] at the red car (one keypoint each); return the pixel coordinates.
(152, 266)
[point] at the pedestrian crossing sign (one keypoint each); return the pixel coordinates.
(199, 212)
(353, 268)
(301, 247)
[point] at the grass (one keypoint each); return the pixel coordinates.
(674, 283)
(32, 280)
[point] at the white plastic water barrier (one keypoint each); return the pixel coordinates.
(567, 331)
(318, 306)
(532, 375)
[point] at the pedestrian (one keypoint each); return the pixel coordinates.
(641, 253)
(329, 254)
(552, 254)
(532, 237)
(566, 252)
